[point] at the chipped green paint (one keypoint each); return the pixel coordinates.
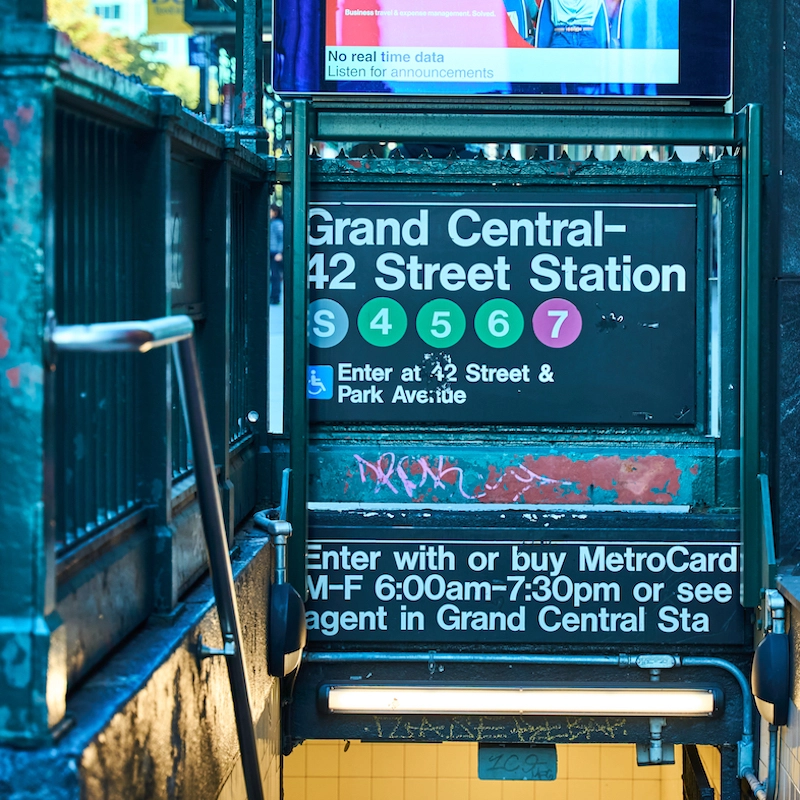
(32, 653)
(433, 473)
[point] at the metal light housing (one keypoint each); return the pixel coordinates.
(770, 678)
(645, 700)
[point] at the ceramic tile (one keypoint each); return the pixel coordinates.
(617, 761)
(616, 789)
(485, 790)
(453, 760)
(552, 790)
(451, 789)
(646, 789)
(294, 788)
(356, 761)
(388, 760)
(584, 762)
(351, 788)
(323, 789)
(418, 788)
(386, 789)
(519, 790)
(583, 789)
(295, 764)
(322, 760)
(420, 760)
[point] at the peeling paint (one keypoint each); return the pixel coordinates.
(25, 114)
(13, 375)
(16, 662)
(549, 479)
(12, 131)
(28, 377)
(5, 342)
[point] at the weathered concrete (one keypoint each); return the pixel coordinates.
(32, 642)
(155, 723)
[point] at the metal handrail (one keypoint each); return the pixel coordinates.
(119, 337)
(770, 565)
(142, 336)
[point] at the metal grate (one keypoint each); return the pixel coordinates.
(96, 397)
(239, 400)
(182, 459)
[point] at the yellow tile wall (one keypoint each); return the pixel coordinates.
(323, 770)
(712, 761)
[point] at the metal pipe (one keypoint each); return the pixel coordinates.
(750, 407)
(770, 566)
(219, 560)
(296, 405)
(755, 785)
(657, 724)
(721, 663)
(468, 658)
(282, 508)
(117, 337)
(772, 764)
(141, 336)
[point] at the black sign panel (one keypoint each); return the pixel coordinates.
(504, 306)
(450, 585)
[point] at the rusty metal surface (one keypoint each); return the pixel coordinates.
(442, 471)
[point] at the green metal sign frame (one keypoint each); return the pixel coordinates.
(741, 225)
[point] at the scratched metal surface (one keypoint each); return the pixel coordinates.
(524, 473)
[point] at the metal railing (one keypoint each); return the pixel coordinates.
(94, 230)
(182, 458)
(240, 344)
(178, 331)
(769, 562)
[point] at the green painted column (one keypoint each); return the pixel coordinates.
(32, 640)
(296, 305)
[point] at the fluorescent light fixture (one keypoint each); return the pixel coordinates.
(614, 701)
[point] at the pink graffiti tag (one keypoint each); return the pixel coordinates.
(382, 477)
(437, 472)
(407, 469)
(528, 481)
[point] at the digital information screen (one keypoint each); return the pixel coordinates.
(678, 48)
(502, 307)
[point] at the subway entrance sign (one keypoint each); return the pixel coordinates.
(520, 579)
(503, 306)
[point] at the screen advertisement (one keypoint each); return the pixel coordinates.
(623, 48)
(502, 307)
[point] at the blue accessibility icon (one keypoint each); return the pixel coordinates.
(319, 383)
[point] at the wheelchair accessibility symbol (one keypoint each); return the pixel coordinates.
(319, 383)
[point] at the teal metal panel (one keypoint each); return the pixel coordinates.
(296, 304)
(563, 128)
(437, 471)
(750, 397)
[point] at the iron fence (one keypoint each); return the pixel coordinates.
(97, 457)
(239, 300)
